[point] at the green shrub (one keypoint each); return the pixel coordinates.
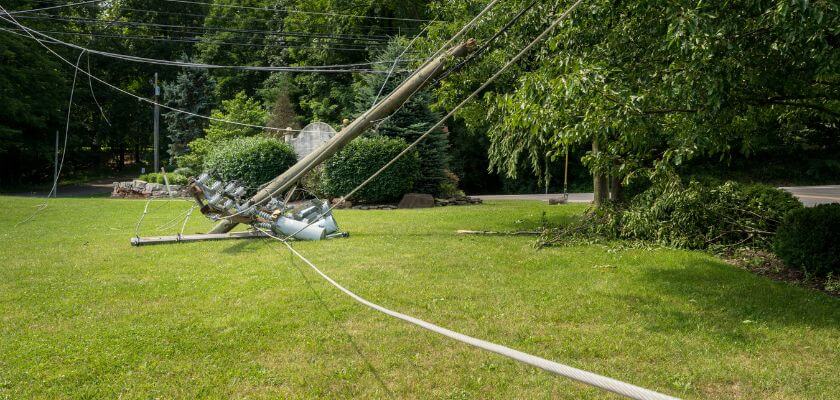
(809, 238)
(363, 157)
(700, 216)
(157, 177)
(695, 216)
(252, 161)
(184, 171)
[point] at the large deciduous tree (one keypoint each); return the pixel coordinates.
(653, 84)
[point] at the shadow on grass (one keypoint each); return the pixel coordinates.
(724, 300)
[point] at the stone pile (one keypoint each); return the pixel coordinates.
(138, 189)
(375, 207)
(457, 201)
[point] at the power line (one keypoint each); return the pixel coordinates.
(140, 98)
(203, 40)
(60, 166)
(399, 29)
(335, 68)
(294, 11)
(599, 381)
(206, 29)
(51, 7)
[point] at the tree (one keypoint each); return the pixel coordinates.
(241, 109)
(652, 84)
(193, 90)
(34, 102)
(413, 119)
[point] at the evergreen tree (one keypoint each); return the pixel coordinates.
(191, 91)
(409, 122)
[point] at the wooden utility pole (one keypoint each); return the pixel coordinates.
(157, 127)
(425, 74)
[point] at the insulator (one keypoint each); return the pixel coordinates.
(239, 192)
(215, 186)
(203, 178)
(230, 188)
(214, 199)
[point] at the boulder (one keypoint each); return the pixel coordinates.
(417, 200)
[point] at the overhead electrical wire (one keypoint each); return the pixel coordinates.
(10, 18)
(239, 7)
(295, 11)
(337, 68)
(60, 165)
(589, 378)
(16, 12)
(208, 29)
(398, 29)
(428, 60)
(202, 40)
(483, 48)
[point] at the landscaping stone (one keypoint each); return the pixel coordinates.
(138, 189)
(417, 200)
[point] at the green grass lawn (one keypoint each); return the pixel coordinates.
(84, 315)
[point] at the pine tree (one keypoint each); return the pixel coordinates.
(193, 90)
(409, 122)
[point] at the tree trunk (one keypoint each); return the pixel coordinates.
(599, 181)
(137, 154)
(615, 189)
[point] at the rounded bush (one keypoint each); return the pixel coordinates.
(252, 161)
(808, 239)
(361, 159)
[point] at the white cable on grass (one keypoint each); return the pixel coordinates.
(599, 381)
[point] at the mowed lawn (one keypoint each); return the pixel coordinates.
(84, 315)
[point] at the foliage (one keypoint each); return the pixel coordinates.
(808, 239)
(157, 177)
(33, 101)
(184, 171)
(330, 98)
(252, 161)
(241, 109)
(413, 119)
(658, 83)
(360, 159)
(194, 160)
(193, 91)
(694, 216)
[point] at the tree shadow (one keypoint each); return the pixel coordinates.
(724, 300)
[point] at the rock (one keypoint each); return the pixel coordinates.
(556, 200)
(417, 200)
(346, 204)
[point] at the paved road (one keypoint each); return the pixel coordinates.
(808, 195)
(813, 195)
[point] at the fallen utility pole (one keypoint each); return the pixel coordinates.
(426, 73)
